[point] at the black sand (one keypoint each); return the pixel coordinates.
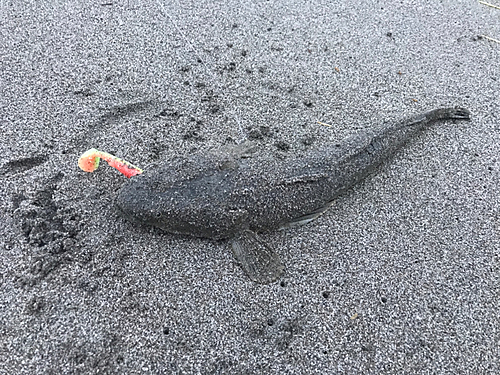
(401, 275)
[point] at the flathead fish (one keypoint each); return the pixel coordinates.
(222, 196)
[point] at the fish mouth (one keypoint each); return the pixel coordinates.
(129, 207)
(127, 213)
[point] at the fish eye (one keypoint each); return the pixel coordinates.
(158, 214)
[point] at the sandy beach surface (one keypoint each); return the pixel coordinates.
(400, 276)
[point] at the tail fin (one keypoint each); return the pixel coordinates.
(457, 113)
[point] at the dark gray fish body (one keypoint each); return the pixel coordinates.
(219, 196)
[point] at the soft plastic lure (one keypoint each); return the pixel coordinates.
(89, 162)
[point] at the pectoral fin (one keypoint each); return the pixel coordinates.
(302, 220)
(256, 258)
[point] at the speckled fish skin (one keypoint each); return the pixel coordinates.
(216, 196)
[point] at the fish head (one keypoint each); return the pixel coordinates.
(179, 201)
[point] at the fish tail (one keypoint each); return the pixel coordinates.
(457, 113)
(420, 121)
